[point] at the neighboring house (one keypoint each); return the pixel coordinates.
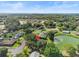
(23, 21)
(77, 33)
(40, 35)
(35, 54)
(43, 34)
(2, 27)
(66, 32)
(5, 31)
(7, 43)
(37, 37)
(18, 35)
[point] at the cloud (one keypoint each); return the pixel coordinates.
(11, 6)
(16, 6)
(36, 7)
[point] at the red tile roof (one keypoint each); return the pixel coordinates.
(37, 37)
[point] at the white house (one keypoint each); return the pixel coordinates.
(66, 32)
(23, 21)
(2, 25)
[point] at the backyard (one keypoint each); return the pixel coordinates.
(64, 41)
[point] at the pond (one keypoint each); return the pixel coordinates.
(64, 40)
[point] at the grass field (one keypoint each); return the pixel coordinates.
(65, 41)
(15, 45)
(37, 31)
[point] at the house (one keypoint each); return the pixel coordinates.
(34, 54)
(18, 35)
(66, 32)
(23, 21)
(5, 31)
(43, 35)
(11, 41)
(2, 25)
(37, 37)
(7, 43)
(77, 33)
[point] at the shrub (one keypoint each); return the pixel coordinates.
(31, 37)
(51, 50)
(3, 52)
(71, 51)
(59, 33)
(26, 51)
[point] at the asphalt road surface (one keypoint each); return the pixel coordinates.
(17, 50)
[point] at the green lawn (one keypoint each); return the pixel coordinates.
(15, 45)
(37, 31)
(65, 41)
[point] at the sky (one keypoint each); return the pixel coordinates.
(39, 6)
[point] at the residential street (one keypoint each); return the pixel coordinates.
(17, 50)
